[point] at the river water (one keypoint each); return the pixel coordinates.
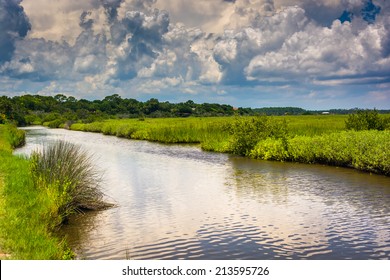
(178, 202)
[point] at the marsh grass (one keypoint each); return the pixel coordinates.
(202, 131)
(66, 172)
(310, 139)
(313, 125)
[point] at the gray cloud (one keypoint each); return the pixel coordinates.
(139, 37)
(40, 60)
(14, 25)
(111, 7)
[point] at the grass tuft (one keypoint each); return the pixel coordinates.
(67, 172)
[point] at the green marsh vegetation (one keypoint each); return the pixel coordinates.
(67, 174)
(38, 194)
(337, 140)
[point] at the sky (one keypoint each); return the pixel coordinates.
(322, 54)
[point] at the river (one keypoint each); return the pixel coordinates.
(179, 202)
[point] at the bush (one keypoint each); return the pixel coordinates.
(365, 120)
(247, 132)
(270, 149)
(55, 123)
(68, 175)
(14, 136)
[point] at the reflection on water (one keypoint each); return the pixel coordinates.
(178, 202)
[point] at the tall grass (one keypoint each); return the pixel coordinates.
(169, 130)
(308, 125)
(66, 172)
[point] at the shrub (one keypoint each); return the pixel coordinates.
(363, 150)
(247, 132)
(270, 149)
(15, 137)
(365, 120)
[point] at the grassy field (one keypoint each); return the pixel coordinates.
(309, 139)
(315, 124)
(38, 194)
(212, 133)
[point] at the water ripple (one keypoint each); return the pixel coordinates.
(178, 202)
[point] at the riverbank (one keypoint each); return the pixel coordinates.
(306, 139)
(28, 217)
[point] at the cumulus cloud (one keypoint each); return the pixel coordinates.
(161, 44)
(338, 52)
(235, 50)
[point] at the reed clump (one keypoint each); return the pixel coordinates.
(66, 172)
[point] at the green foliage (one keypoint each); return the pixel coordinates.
(55, 123)
(270, 149)
(279, 111)
(14, 136)
(366, 120)
(363, 150)
(247, 132)
(57, 110)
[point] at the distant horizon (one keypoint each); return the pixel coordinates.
(257, 53)
(199, 103)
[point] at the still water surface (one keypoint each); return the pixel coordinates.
(178, 202)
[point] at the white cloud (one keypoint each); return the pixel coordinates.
(56, 20)
(323, 52)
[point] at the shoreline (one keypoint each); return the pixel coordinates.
(366, 150)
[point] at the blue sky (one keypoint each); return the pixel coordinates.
(252, 53)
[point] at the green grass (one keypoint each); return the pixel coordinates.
(314, 125)
(211, 133)
(309, 139)
(28, 215)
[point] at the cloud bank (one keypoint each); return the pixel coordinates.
(215, 50)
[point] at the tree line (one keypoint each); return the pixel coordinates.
(59, 109)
